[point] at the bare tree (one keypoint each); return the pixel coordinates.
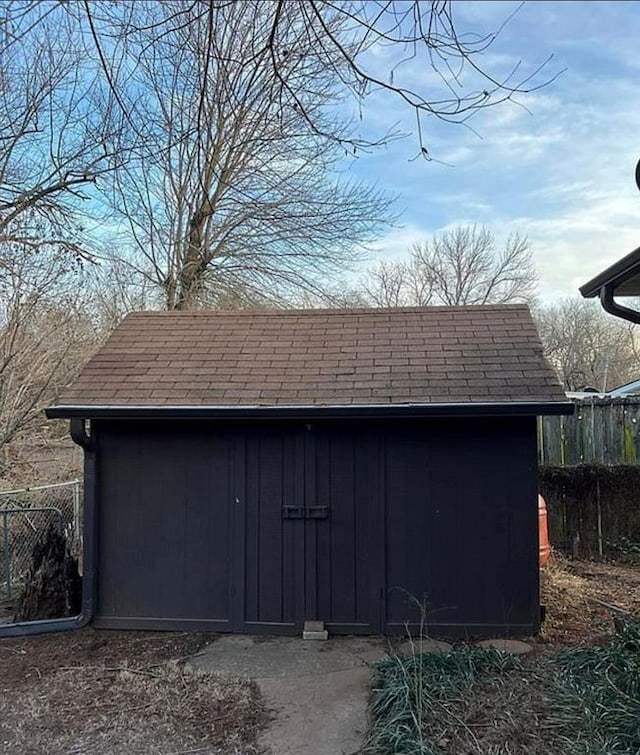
(587, 347)
(44, 337)
(387, 284)
(112, 291)
(462, 266)
(59, 130)
(233, 138)
(229, 197)
(337, 294)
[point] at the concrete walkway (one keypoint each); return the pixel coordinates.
(317, 690)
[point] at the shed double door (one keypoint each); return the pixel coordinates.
(309, 529)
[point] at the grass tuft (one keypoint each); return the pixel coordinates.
(597, 690)
(583, 700)
(415, 697)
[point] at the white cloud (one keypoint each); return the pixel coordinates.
(395, 245)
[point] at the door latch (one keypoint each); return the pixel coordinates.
(318, 512)
(300, 512)
(293, 512)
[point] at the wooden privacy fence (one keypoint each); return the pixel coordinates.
(604, 430)
(593, 509)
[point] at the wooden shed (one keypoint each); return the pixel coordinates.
(250, 471)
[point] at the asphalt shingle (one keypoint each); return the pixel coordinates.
(319, 358)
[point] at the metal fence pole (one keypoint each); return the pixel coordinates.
(7, 555)
(76, 513)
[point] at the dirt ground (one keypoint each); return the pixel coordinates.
(121, 692)
(129, 692)
(573, 593)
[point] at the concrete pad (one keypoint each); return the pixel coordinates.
(515, 647)
(423, 645)
(265, 657)
(318, 691)
(318, 715)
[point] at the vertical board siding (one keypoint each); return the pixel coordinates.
(251, 534)
(271, 579)
(308, 472)
(369, 540)
(324, 496)
(461, 518)
(601, 429)
(268, 524)
(408, 523)
(340, 532)
(427, 521)
(164, 524)
(343, 483)
(207, 528)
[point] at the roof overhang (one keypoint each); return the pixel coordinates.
(349, 411)
(623, 276)
(621, 279)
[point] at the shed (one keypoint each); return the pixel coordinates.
(370, 469)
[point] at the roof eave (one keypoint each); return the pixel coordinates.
(616, 278)
(349, 411)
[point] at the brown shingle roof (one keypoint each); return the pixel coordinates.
(425, 355)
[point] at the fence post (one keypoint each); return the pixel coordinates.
(7, 555)
(600, 549)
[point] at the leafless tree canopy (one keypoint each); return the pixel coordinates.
(588, 347)
(59, 131)
(214, 129)
(347, 39)
(462, 266)
(44, 334)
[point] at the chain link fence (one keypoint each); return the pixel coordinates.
(25, 515)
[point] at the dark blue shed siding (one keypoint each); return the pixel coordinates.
(434, 513)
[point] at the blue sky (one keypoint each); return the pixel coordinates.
(562, 173)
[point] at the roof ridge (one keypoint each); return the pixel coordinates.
(333, 311)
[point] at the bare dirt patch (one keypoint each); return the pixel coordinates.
(573, 593)
(121, 692)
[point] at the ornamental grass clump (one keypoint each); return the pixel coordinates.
(583, 700)
(416, 698)
(597, 695)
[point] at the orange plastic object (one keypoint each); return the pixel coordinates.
(543, 532)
